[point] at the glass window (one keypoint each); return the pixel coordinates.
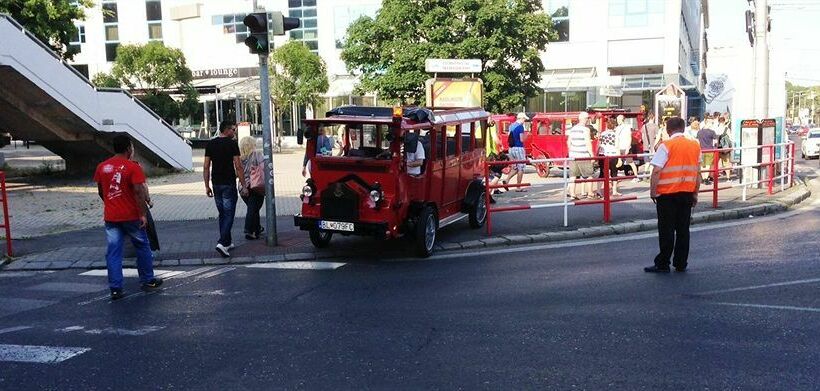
(241, 37)
(310, 34)
(559, 11)
(635, 13)
(110, 13)
(228, 19)
(294, 3)
(241, 28)
(451, 141)
(309, 23)
(155, 31)
(112, 33)
(479, 131)
(111, 51)
(308, 3)
(216, 20)
(312, 45)
(153, 10)
(297, 35)
(295, 13)
(79, 37)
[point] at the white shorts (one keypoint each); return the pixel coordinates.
(518, 153)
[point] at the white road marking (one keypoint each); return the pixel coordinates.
(215, 273)
(196, 278)
(38, 354)
(129, 272)
(13, 329)
(298, 265)
(194, 272)
(774, 307)
(168, 274)
(752, 287)
(112, 331)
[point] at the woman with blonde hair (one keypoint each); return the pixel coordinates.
(252, 162)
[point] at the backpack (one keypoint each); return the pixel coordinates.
(724, 142)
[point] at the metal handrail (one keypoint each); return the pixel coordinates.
(82, 77)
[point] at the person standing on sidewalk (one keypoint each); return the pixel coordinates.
(707, 138)
(623, 135)
(517, 151)
(254, 200)
(121, 186)
(649, 134)
(674, 188)
(579, 145)
(222, 153)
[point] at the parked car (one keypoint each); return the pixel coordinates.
(367, 188)
(810, 144)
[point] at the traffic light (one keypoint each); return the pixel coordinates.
(280, 23)
(257, 40)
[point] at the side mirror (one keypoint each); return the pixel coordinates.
(300, 137)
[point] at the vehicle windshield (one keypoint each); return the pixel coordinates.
(352, 140)
(814, 135)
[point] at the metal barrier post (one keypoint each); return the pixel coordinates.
(783, 167)
(607, 204)
(791, 172)
(770, 170)
(487, 197)
(566, 188)
(6, 220)
(715, 177)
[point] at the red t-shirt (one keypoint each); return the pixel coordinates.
(117, 177)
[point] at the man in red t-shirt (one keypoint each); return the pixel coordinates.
(120, 186)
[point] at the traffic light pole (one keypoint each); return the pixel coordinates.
(271, 238)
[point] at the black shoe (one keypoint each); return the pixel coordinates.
(496, 192)
(155, 283)
(250, 237)
(117, 294)
(680, 269)
(655, 269)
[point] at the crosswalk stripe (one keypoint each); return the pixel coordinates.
(13, 329)
(38, 354)
(215, 273)
(298, 265)
(129, 272)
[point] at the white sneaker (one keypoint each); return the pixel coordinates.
(231, 247)
(222, 250)
(636, 180)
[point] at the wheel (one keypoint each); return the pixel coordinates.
(543, 169)
(426, 232)
(478, 213)
(319, 238)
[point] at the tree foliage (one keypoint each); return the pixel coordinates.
(151, 70)
(506, 35)
(297, 75)
(52, 21)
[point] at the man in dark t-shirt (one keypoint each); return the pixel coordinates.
(707, 139)
(222, 166)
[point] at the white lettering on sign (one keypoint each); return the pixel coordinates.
(438, 65)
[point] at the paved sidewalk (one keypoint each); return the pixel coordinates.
(191, 242)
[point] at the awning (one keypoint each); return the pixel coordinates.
(568, 79)
(210, 86)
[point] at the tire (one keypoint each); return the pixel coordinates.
(478, 213)
(426, 229)
(319, 238)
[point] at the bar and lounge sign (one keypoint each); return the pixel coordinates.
(225, 73)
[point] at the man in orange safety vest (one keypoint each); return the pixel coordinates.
(674, 188)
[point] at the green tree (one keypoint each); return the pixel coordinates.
(297, 76)
(150, 71)
(52, 21)
(506, 35)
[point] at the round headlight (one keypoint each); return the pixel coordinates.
(375, 195)
(307, 191)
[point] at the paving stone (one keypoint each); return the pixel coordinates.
(190, 261)
(16, 265)
(446, 246)
(37, 265)
(60, 265)
(242, 260)
(496, 241)
(169, 262)
(215, 261)
(472, 244)
(300, 257)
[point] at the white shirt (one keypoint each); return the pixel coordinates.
(414, 157)
(624, 137)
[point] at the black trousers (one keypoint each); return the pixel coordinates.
(674, 212)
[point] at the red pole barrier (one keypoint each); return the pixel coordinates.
(715, 175)
(6, 221)
(771, 170)
(487, 197)
(607, 204)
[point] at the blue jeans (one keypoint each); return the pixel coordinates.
(115, 233)
(225, 197)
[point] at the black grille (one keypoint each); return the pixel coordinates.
(340, 202)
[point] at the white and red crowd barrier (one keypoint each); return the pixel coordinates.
(770, 164)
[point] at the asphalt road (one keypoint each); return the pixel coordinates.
(554, 316)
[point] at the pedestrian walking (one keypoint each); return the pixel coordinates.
(121, 186)
(674, 188)
(607, 148)
(222, 155)
(707, 138)
(579, 145)
(517, 151)
(253, 165)
(623, 137)
(725, 143)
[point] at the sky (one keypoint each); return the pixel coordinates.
(794, 36)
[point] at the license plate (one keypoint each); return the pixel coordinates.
(336, 226)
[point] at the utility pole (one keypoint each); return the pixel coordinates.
(761, 59)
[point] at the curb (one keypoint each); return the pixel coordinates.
(794, 197)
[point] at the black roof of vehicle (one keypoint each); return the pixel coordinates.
(417, 114)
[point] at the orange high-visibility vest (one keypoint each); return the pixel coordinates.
(682, 170)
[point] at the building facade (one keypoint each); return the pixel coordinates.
(616, 52)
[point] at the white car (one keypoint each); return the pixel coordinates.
(810, 147)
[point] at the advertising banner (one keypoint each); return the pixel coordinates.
(670, 102)
(442, 93)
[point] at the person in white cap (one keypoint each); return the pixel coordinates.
(517, 151)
